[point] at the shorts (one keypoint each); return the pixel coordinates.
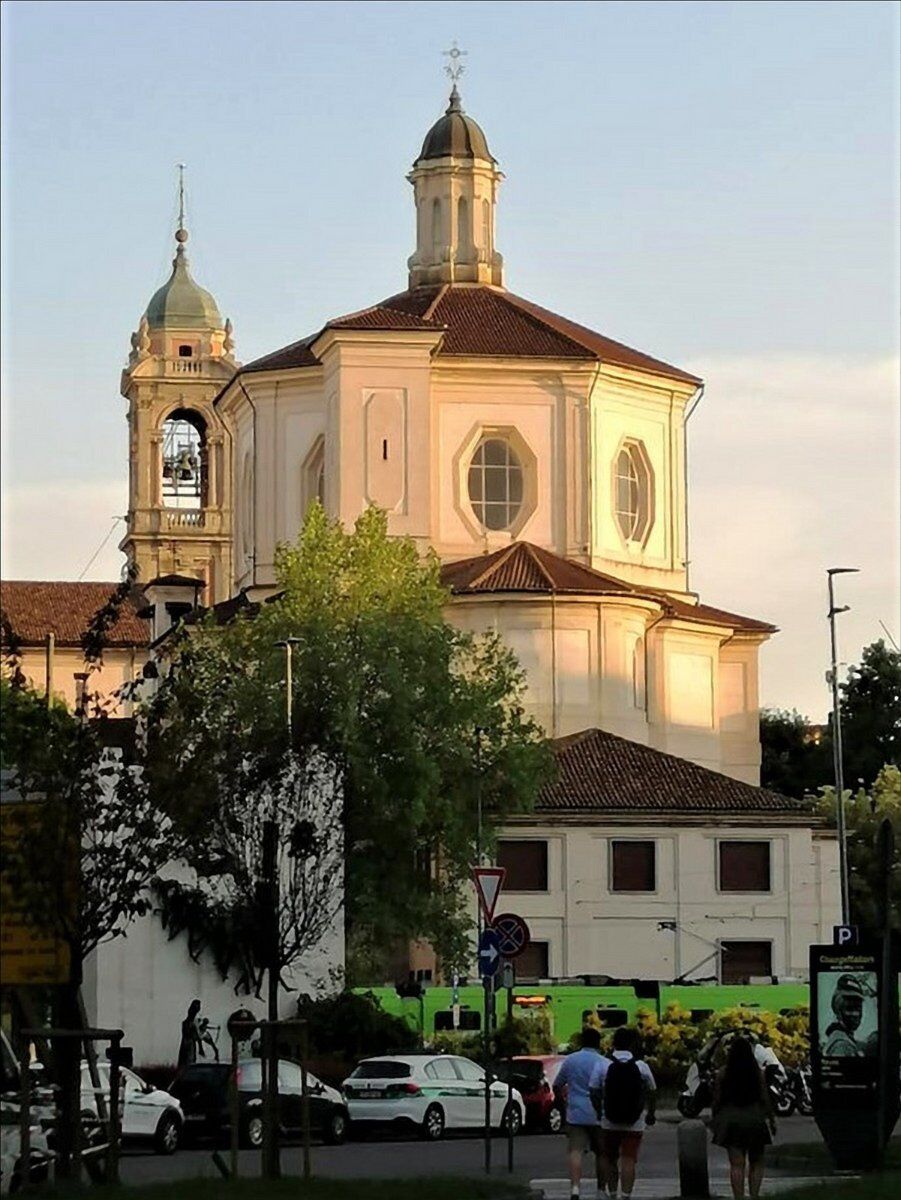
(621, 1143)
(586, 1138)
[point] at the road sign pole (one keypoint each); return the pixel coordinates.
(509, 1076)
(489, 996)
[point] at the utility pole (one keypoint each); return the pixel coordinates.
(837, 762)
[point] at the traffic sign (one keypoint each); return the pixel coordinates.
(513, 934)
(845, 935)
(489, 881)
(489, 955)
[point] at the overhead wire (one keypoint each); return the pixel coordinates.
(93, 557)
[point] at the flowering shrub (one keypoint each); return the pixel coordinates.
(671, 1043)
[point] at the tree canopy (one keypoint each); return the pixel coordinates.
(415, 724)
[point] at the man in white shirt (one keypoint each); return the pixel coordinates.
(624, 1092)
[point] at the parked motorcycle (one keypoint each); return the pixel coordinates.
(697, 1094)
(799, 1079)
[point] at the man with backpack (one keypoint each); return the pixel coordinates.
(623, 1092)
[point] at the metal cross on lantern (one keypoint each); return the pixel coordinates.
(454, 69)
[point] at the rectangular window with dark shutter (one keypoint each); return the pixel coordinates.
(740, 961)
(533, 963)
(525, 864)
(633, 866)
(744, 866)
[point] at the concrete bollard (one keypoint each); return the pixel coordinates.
(694, 1179)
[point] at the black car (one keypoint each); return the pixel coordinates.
(203, 1090)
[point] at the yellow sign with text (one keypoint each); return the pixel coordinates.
(28, 955)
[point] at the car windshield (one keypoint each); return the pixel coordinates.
(382, 1070)
(527, 1073)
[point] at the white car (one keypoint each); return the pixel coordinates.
(147, 1113)
(434, 1092)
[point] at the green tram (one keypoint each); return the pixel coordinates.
(566, 1004)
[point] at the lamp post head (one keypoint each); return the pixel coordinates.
(843, 570)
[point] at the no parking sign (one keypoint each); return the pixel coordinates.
(512, 933)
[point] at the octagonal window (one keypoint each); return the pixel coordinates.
(632, 483)
(495, 483)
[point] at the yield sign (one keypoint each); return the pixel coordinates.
(488, 888)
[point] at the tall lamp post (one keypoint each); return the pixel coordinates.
(837, 742)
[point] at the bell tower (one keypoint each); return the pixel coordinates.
(180, 496)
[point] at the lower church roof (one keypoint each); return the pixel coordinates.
(32, 609)
(601, 773)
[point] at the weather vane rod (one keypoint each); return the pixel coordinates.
(454, 69)
(181, 196)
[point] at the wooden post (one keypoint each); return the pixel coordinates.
(234, 1103)
(114, 1131)
(305, 1100)
(51, 647)
(25, 1115)
(694, 1179)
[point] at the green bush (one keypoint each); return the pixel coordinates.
(344, 1028)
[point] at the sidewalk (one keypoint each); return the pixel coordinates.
(668, 1188)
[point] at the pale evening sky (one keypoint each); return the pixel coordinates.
(713, 183)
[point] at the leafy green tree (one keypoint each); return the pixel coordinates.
(415, 725)
(794, 759)
(864, 813)
(871, 715)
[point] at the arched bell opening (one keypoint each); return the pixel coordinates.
(185, 460)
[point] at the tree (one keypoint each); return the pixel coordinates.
(794, 759)
(415, 725)
(89, 841)
(871, 714)
(864, 813)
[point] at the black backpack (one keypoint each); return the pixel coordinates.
(623, 1092)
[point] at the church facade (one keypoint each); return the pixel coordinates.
(545, 464)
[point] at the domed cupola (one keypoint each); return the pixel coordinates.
(455, 181)
(181, 303)
(455, 135)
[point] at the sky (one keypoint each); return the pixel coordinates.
(713, 183)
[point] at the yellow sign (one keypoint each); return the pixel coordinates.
(27, 955)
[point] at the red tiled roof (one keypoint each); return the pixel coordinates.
(478, 322)
(524, 567)
(34, 609)
(600, 772)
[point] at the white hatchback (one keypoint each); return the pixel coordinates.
(434, 1092)
(148, 1113)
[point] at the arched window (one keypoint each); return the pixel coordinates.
(184, 465)
(464, 233)
(495, 483)
(313, 476)
(632, 488)
(437, 236)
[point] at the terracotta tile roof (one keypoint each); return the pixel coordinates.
(524, 567)
(34, 609)
(600, 772)
(478, 322)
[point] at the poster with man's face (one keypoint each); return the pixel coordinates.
(848, 1016)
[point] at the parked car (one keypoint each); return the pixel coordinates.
(147, 1113)
(203, 1091)
(533, 1076)
(432, 1092)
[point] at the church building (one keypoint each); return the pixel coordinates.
(545, 464)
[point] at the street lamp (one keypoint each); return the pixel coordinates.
(837, 742)
(288, 644)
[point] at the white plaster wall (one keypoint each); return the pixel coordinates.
(593, 930)
(143, 983)
(119, 666)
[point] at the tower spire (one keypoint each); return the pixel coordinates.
(181, 234)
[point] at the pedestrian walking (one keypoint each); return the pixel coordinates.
(743, 1120)
(192, 1036)
(582, 1128)
(624, 1092)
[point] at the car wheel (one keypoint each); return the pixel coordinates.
(168, 1134)
(432, 1128)
(554, 1120)
(511, 1121)
(252, 1132)
(336, 1130)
